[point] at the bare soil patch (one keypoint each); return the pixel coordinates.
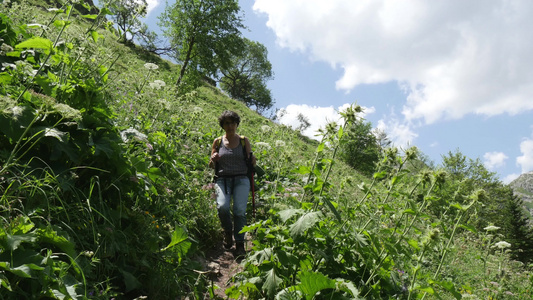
(221, 265)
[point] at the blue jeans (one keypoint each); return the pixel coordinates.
(239, 188)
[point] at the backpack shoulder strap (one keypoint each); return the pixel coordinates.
(218, 141)
(243, 143)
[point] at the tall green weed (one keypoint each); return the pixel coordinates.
(87, 190)
(385, 244)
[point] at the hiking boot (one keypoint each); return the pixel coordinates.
(239, 249)
(228, 240)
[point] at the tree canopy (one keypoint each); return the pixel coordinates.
(500, 207)
(245, 78)
(360, 148)
(204, 34)
(126, 13)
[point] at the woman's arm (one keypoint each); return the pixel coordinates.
(214, 154)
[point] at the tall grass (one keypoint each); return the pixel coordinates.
(385, 245)
(104, 190)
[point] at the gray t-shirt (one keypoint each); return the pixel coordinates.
(231, 161)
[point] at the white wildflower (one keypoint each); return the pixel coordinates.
(157, 84)
(52, 132)
(265, 128)
(491, 228)
(87, 253)
(263, 145)
(132, 133)
(16, 111)
(502, 245)
(8, 66)
(164, 103)
(280, 143)
(25, 67)
(7, 105)
(151, 66)
(67, 111)
(5, 48)
(197, 109)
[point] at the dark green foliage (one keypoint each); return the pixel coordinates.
(470, 175)
(371, 247)
(521, 232)
(360, 148)
(245, 77)
(7, 33)
(78, 194)
(126, 14)
(500, 207)
(203, 35)
(104, 193)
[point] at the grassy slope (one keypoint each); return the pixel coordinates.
(191, 121)
(128, 73)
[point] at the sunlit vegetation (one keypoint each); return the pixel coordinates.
(105, 190)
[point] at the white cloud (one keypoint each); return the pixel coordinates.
(526, 160)
(400, 133)
(507, 179)
(152, 4)
(317, 116)
(452, 57)
(494, 159)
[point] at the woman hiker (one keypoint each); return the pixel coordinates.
(229, 157)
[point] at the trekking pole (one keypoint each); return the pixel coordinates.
(252, 182)
(253, 196)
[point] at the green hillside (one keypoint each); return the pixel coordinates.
(105, 190)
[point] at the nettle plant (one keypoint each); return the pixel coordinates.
(327, 245)
(77, 198)
(48, 119)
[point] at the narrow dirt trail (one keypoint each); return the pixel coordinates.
(222, 265)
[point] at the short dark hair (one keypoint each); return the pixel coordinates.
(229, 115)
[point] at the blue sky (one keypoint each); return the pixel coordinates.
(440, 75)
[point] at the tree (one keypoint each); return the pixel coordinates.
(204, 34)
(151, 42)
(467, 175)
(304, 122)
(360, 148)
(521, 234)
(382, 138)
(246, 76)
(126, 13)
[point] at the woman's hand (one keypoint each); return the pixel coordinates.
(215, 157)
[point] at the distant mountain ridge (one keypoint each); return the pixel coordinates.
(523, 187)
